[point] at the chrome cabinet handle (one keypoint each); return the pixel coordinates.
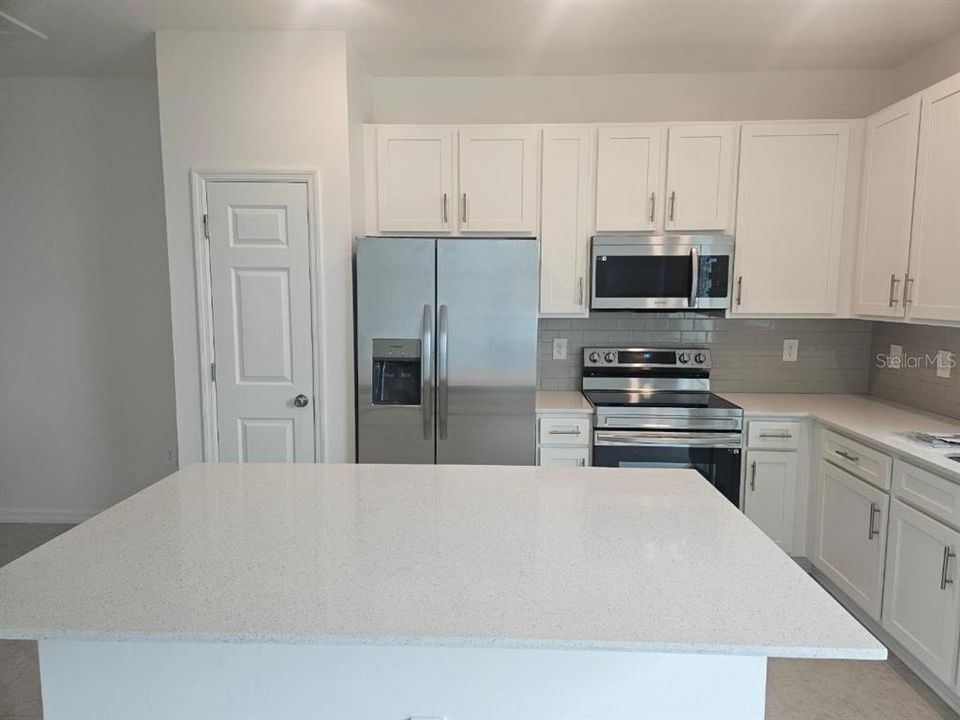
(907, 287)
(893, 289)
(739, 288)
(580, 290)
(944, 580)
(653, 206)
(753, 476)
(565, 432)
(444, 208)
(694, 276)
(874, 511)
(301, 401)
(442, 361)
(581, 462)
(673, 203)
(848, 456)
(783, 436)
(426, 371)
(463, 214)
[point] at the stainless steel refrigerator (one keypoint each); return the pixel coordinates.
(446, 350)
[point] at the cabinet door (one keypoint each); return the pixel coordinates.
(498, 179)
(415, 179)
(921, 606)
(565, 221)
(935, 253)
(851, 535)
(700, 171)
(565, 457)
(770, 492)
(886, 209)
(790, 217)
(629, 172)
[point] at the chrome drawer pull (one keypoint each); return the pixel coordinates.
(565, 432)
(944, 580)
(874, 511)
(848, 456)
(753, 477)
(784, 436)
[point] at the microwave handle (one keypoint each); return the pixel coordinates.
(694, 276)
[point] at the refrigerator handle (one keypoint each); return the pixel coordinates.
(426, 371)
(442, 373)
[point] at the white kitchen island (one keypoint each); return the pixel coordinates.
(386, 591)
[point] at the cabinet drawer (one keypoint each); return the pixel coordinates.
(858, 459)
(564, 457)
(927, 491)
(773, 435)
(564, 431)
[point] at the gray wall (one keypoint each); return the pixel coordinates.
(916, 382)
(835, 355)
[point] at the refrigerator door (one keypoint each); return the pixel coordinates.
(486, 351)
(395, 324)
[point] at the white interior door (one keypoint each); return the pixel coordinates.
(629, 177)
(262, 328)
(700, 172)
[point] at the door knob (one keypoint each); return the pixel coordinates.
(301, 401)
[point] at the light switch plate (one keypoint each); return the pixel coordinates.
(895, 359)
(791, 350)
(559, 348)
(945, 361)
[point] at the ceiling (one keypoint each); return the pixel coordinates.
(498, 37)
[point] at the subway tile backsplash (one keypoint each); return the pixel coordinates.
(915, 382)
(835, 355)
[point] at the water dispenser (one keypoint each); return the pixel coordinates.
(396, 371)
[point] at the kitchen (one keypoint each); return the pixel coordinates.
(794, 228)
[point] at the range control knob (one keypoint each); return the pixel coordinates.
(610, 357)
(684, 358)
(594, 357)
(700, 358)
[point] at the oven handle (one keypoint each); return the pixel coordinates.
(674, 439)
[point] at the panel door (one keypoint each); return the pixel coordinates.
(262, 325)
(790, 217)
(564, 457)
(935, 253)
(395, 301)
(770, 493)
(700, 170)
(629, 178)
(486, 351)
(415, 179)
(498, 179)
(565, 221)
(886, 211)
(851, 535)
(921, 606)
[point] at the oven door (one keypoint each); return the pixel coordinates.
(716, 456)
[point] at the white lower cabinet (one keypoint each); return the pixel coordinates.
(564, 439)
(851, 535)
(921, 606)
(770, 493)
(564, 456)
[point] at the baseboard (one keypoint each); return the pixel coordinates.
(45, 515)
(944, 691)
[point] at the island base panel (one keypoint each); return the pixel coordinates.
(137, 680)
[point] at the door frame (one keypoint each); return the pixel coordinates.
(201, 252)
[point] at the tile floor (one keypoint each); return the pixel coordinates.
(796, 689)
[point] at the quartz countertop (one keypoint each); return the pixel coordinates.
(864, 418)
(558, 402)
(650, 560)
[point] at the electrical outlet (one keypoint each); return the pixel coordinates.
(791, 350)
(896, 356)
(170, 457)
(945, 362)
(559, 348)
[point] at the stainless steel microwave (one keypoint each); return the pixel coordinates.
(661, 272)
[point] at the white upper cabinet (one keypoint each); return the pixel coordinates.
(790, 217)
(700, 170)
(935, 251)
(629, 172)
(883, 249)
(498, 179)
(565, 221)
(415, 179)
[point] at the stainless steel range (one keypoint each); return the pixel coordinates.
(654, 408)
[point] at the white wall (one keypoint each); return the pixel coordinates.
(86, 370)
(637, 98)
(259, 100)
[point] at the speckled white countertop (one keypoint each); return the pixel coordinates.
(865, 418)
(558, 402)
(595, 558)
